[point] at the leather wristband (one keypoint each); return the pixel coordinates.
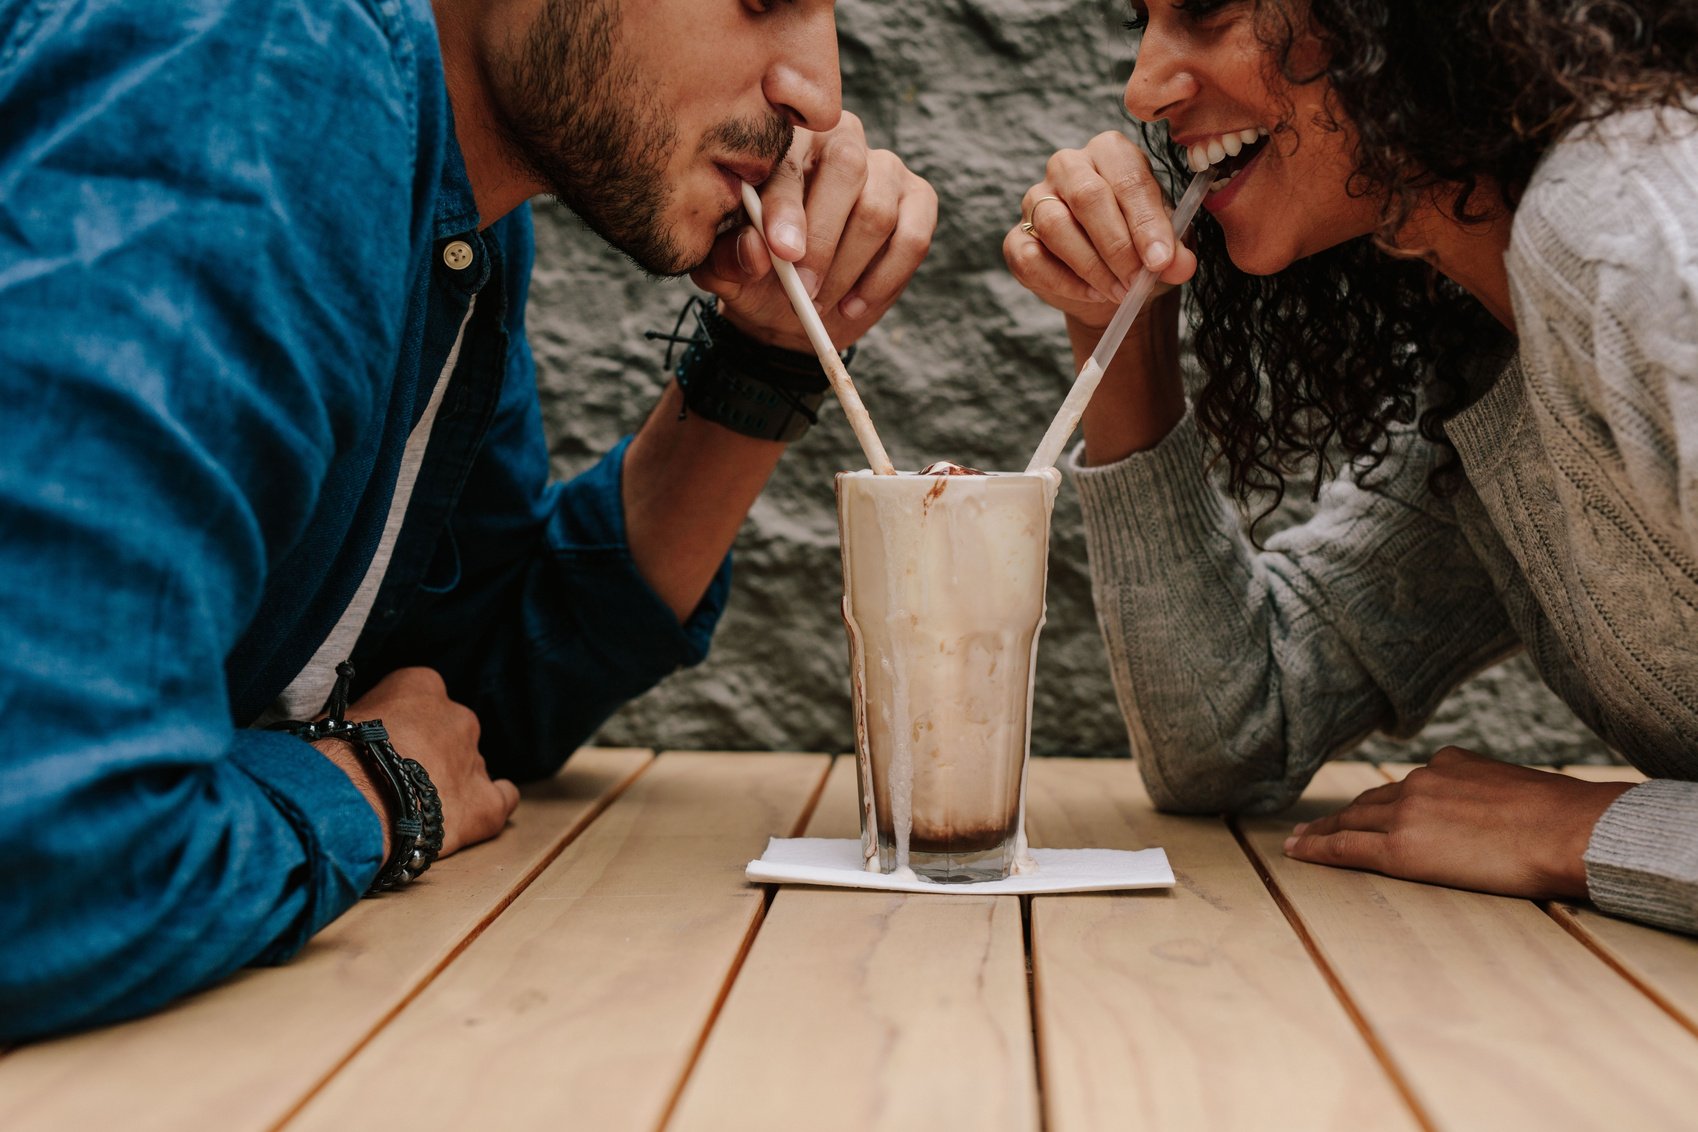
(749, 387)
(415, 832)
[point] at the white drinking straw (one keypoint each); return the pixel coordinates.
(1091, 373)
(835, 371)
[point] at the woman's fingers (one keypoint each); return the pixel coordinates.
(1040, 271)
(1056, 229)
(1370, 817)
(1143, 208)
(1375, 795)
(1357, 837)
(1120, 204)
(1345, 848)
(1468, 822)
(1093, 207)
(1100, 217)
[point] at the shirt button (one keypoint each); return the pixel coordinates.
(458, 255)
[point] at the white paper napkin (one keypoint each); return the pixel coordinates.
(838, 863)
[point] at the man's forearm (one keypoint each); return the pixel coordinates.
(360, 775)
(686, 488)
(244, 855)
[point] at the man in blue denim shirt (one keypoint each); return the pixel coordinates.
(266, 403)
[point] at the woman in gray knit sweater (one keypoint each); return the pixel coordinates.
(1458, 242)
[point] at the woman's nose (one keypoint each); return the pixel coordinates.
(1161, 79)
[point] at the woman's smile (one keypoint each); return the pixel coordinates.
(1233, 155)
(1206, 71)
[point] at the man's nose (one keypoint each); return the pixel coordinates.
(1162, 79)
(804, 82)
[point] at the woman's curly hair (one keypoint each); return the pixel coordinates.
(1445, 95)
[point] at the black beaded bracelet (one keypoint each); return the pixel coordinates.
(415, 835)
(747, 386)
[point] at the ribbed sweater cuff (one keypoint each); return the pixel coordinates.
(1142, 510)
(1642, 861)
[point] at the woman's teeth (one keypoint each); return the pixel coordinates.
(1218, 149)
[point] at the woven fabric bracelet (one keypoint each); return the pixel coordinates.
(747, 386)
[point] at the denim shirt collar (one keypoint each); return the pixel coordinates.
(456, 207)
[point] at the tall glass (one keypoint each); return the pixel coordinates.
(943, 598)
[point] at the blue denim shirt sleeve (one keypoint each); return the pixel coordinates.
(163, 429)
(539, 619)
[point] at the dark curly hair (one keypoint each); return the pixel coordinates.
(1319, 359)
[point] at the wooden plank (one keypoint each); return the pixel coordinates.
(865, 1010)
(245, 1053)
(1195, 1008)
(1592, 773)
(1492, 1013)
(839, 811)
(583, 1006)
(1397, 771)
(1664, 964)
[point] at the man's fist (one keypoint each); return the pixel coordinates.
(428, 727)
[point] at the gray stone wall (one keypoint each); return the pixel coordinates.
(975, 95)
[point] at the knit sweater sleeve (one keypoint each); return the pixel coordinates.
(1604, 275)
(1239, 671)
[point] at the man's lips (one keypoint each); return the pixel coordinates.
(754, 172)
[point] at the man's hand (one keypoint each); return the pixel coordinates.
(855, 222)
(1467, 822)
(427, 726)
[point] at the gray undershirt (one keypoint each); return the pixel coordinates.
(306, 694)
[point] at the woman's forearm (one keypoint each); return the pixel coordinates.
(1141, 397)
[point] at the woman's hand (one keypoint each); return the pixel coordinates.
(1107, 220)
(1467, 822)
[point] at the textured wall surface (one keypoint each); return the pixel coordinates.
(975, 95)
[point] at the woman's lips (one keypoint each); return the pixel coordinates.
(1220, 197)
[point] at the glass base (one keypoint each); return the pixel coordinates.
(995, 863)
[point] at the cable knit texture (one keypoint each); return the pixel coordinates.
(1240, 671)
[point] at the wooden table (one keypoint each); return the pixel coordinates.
(604, 966)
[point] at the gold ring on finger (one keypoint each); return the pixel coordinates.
(1027, 225)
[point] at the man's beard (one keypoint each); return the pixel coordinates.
(578, 117)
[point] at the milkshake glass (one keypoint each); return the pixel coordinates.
(943, 597)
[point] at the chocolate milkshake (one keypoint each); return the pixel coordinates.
(943, 597)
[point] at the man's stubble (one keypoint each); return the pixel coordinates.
(580, 117)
